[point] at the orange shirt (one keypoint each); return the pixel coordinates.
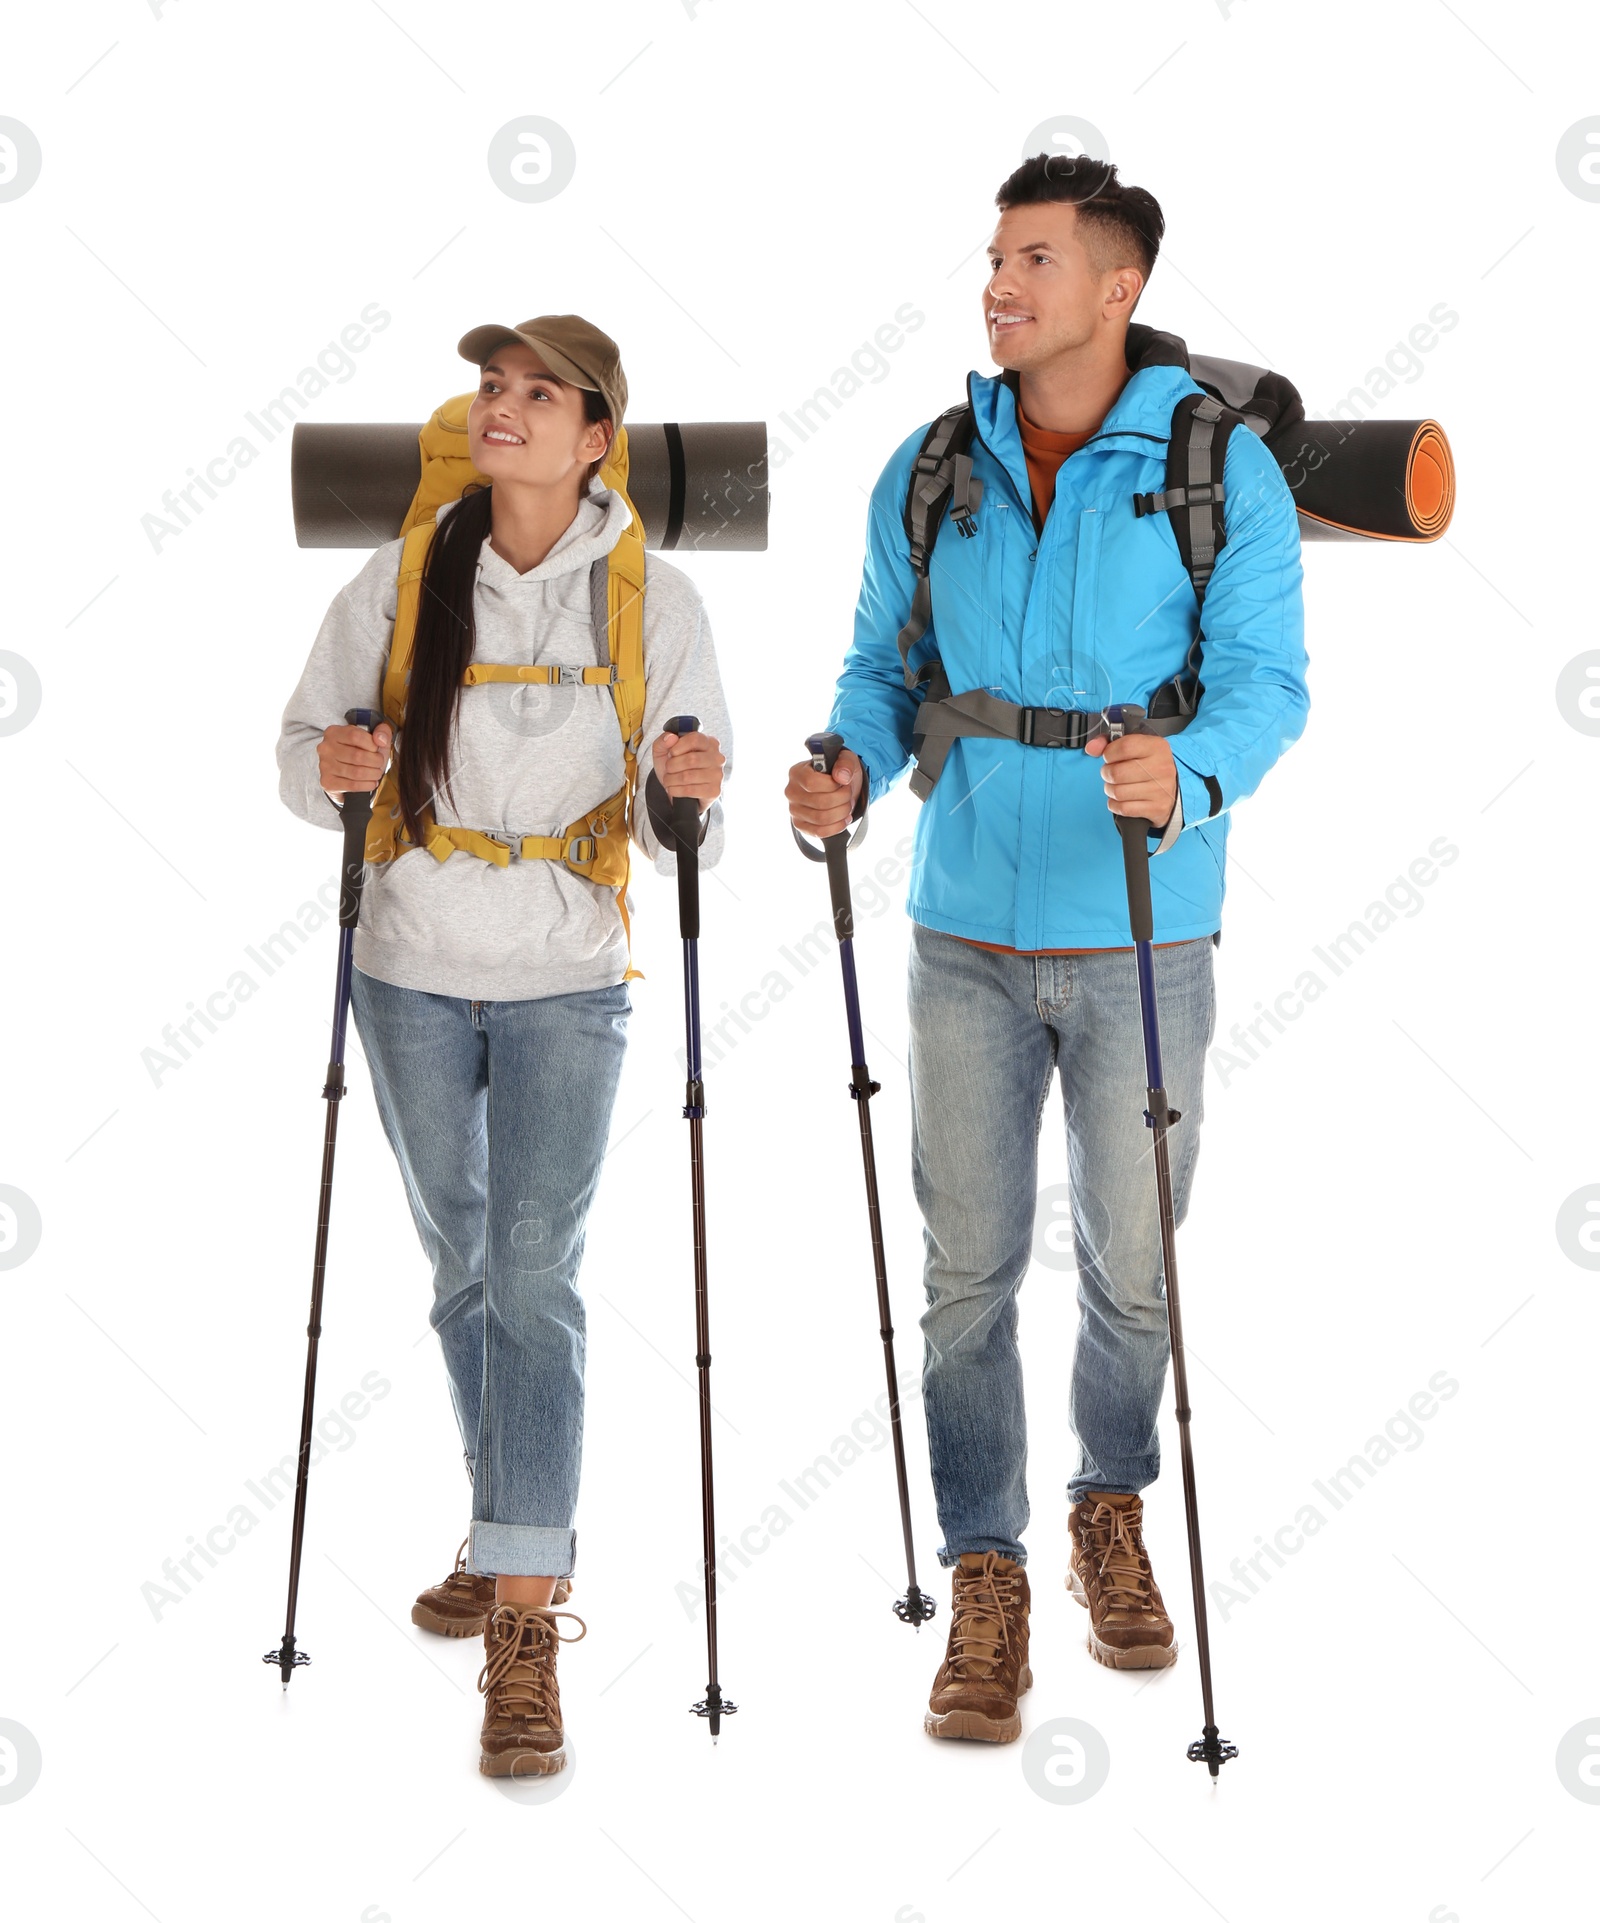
(1046, 450)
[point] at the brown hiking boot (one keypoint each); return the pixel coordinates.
(460, 1605)
(985, 1668)
(522, 1734)
(1110, 1575)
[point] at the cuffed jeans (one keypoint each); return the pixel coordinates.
(498, 1113)
(987, 1030)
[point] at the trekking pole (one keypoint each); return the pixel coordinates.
(683, 834)
(914, 1607)
(355, 811)
(1121, 719)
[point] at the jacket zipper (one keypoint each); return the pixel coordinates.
(977, 435)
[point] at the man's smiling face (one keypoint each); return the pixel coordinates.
(1047, 291)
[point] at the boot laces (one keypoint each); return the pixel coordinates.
(459, 1577)
(520, 1673)
(982, 1598)
(1114, 1534)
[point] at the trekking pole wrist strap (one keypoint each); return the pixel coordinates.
(659, 806)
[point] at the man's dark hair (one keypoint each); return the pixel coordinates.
(1119, 225)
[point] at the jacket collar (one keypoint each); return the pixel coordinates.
(1140, 416)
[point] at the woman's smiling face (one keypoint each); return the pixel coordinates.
(526, 424)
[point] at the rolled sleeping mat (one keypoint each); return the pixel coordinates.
(1365, 480)
(696, 484)
(1368, 480)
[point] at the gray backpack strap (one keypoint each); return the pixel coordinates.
(1206, 452)
(1194, 495)
(600, 607)
(942, 716)
(941, 479)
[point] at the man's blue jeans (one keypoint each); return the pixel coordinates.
(498, 1114)
(987, 1031)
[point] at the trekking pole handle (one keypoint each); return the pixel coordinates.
(825, 750)
(686, 835)
(1127, 717)
(355, 811)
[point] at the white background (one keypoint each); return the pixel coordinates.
(223, 190)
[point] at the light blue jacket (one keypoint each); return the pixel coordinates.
(1015, 844)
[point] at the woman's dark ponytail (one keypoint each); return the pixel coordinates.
(441, 652)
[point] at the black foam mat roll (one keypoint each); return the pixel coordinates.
(1368, 480)
(696, 484)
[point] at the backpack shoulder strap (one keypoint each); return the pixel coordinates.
(384, 829)
(941, 479)
(616, 603)
(1194, 495)
(616, 606)
(408, 598)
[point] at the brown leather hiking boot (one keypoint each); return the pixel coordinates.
(1110, 1575)
(985, 1668)
(460, 1605)
(522, 1733)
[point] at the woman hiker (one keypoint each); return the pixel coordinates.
(491, 960)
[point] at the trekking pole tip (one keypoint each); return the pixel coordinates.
(915, 1607)
(1212, 1750)
(714, 1706)
(286, 1659)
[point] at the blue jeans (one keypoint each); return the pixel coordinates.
(498, 1114)
(987, 1031)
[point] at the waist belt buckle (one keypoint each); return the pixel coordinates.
(1059, 729)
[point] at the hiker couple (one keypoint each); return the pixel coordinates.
(492, 963)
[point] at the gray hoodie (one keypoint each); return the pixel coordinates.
(527, 761)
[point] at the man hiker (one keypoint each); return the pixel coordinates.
(1058, 597)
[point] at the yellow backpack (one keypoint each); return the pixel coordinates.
(596, 845)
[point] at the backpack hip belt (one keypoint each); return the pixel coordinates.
(595, 846)
(943, 717)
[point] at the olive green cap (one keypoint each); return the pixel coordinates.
(569, 346)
